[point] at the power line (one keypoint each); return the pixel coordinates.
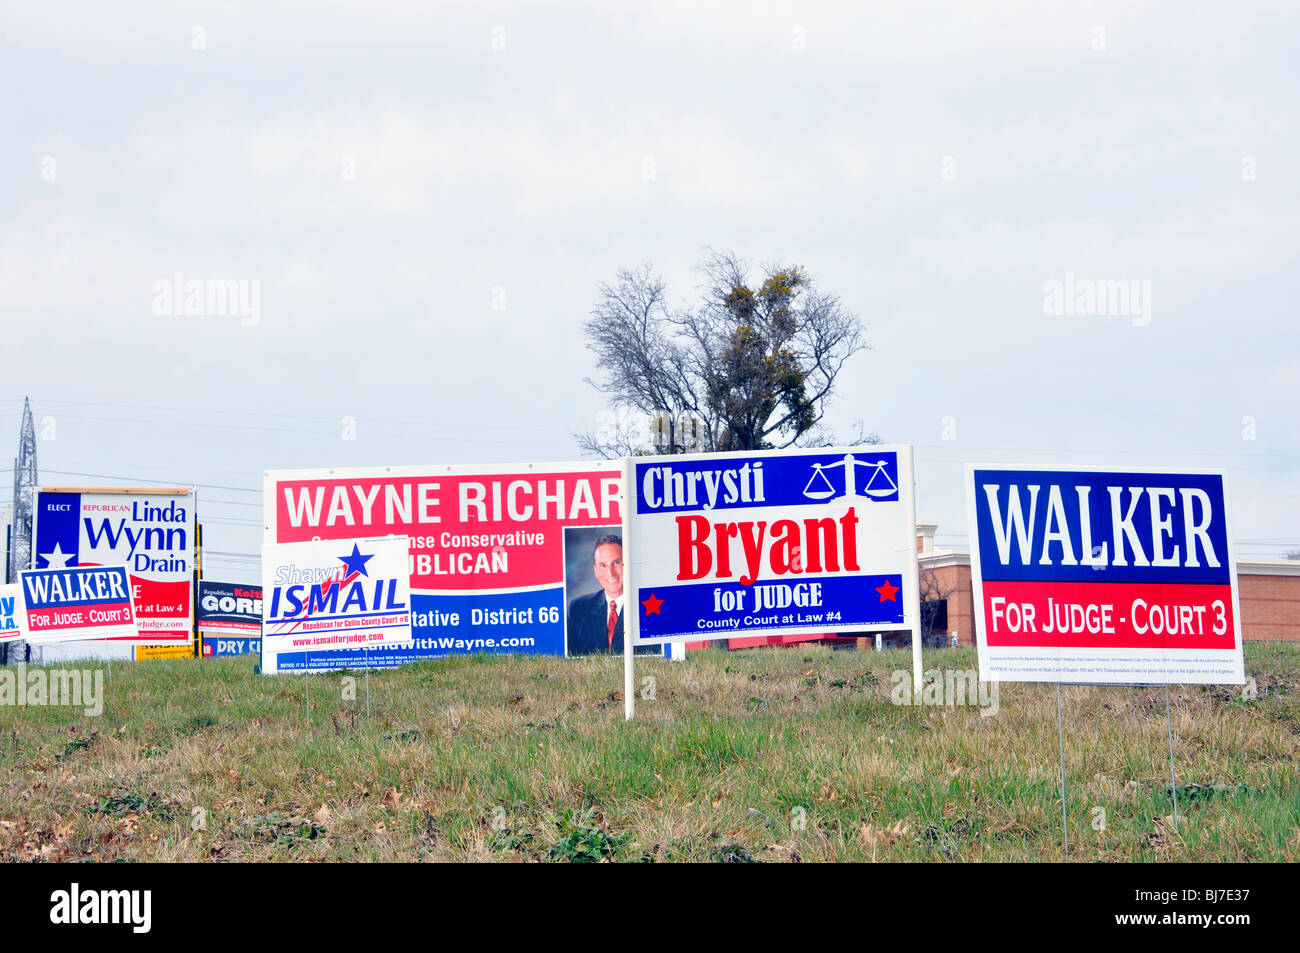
(264, 414)
(492, 441)
(108, 476)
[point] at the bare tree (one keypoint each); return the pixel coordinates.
(644, 366)
(755, 367)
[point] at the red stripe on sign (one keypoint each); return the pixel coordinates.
(104, 614)
(156, 599)
(1108, 615)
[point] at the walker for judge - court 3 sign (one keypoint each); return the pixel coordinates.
(1103, 575)
(80, 602)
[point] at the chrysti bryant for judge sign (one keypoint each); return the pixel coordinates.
(793, 542)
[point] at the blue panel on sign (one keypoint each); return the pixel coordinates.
(526, 623)
(233, 646)
(830, 602)
(231, 603)
(766, 480)
(1077, 526)
(531, 623)
(88, 586)
(57, 530)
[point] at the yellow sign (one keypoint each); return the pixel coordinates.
(183, 650)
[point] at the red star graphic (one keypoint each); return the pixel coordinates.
(888, 592)
(652, 605)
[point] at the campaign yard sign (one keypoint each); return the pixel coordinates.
(64, 605)
(1103, 575)
(487, 543)
(227, 608)
(230, 619)
(794, 542)
(145, 653)
(327, 603)
(12, 613)
(150, 532)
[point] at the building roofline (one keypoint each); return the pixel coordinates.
(940, 560)
(1268, 566)
(1252, 566)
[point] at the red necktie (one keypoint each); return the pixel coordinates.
(613, 621)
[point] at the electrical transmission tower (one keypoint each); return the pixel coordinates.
(20, 547)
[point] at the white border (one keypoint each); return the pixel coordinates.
(67, 637)
(906, 500)
(977, 574)
(270, 527)
(93, 646)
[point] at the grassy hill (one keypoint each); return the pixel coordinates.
(794, 754)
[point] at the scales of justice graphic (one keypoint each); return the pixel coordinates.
(879, 484)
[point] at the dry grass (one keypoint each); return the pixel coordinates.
(792, 754)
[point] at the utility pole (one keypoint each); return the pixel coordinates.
(20, 552)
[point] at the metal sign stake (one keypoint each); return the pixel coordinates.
(1173, 781)
(1060, 729)
(631, 608)
(629, 676)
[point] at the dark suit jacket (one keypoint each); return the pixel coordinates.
(588, 616)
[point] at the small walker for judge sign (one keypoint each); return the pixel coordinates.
(793, 542)
(1103, 575)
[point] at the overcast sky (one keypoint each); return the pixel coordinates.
(392, 174)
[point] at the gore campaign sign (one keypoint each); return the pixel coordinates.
(1103, 575)
(487, 543)
(227, 608)
(325, 599)
(776, 543)
(150, 532)
(65, 605)
(13, 615)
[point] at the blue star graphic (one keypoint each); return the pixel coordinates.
(356, 562)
